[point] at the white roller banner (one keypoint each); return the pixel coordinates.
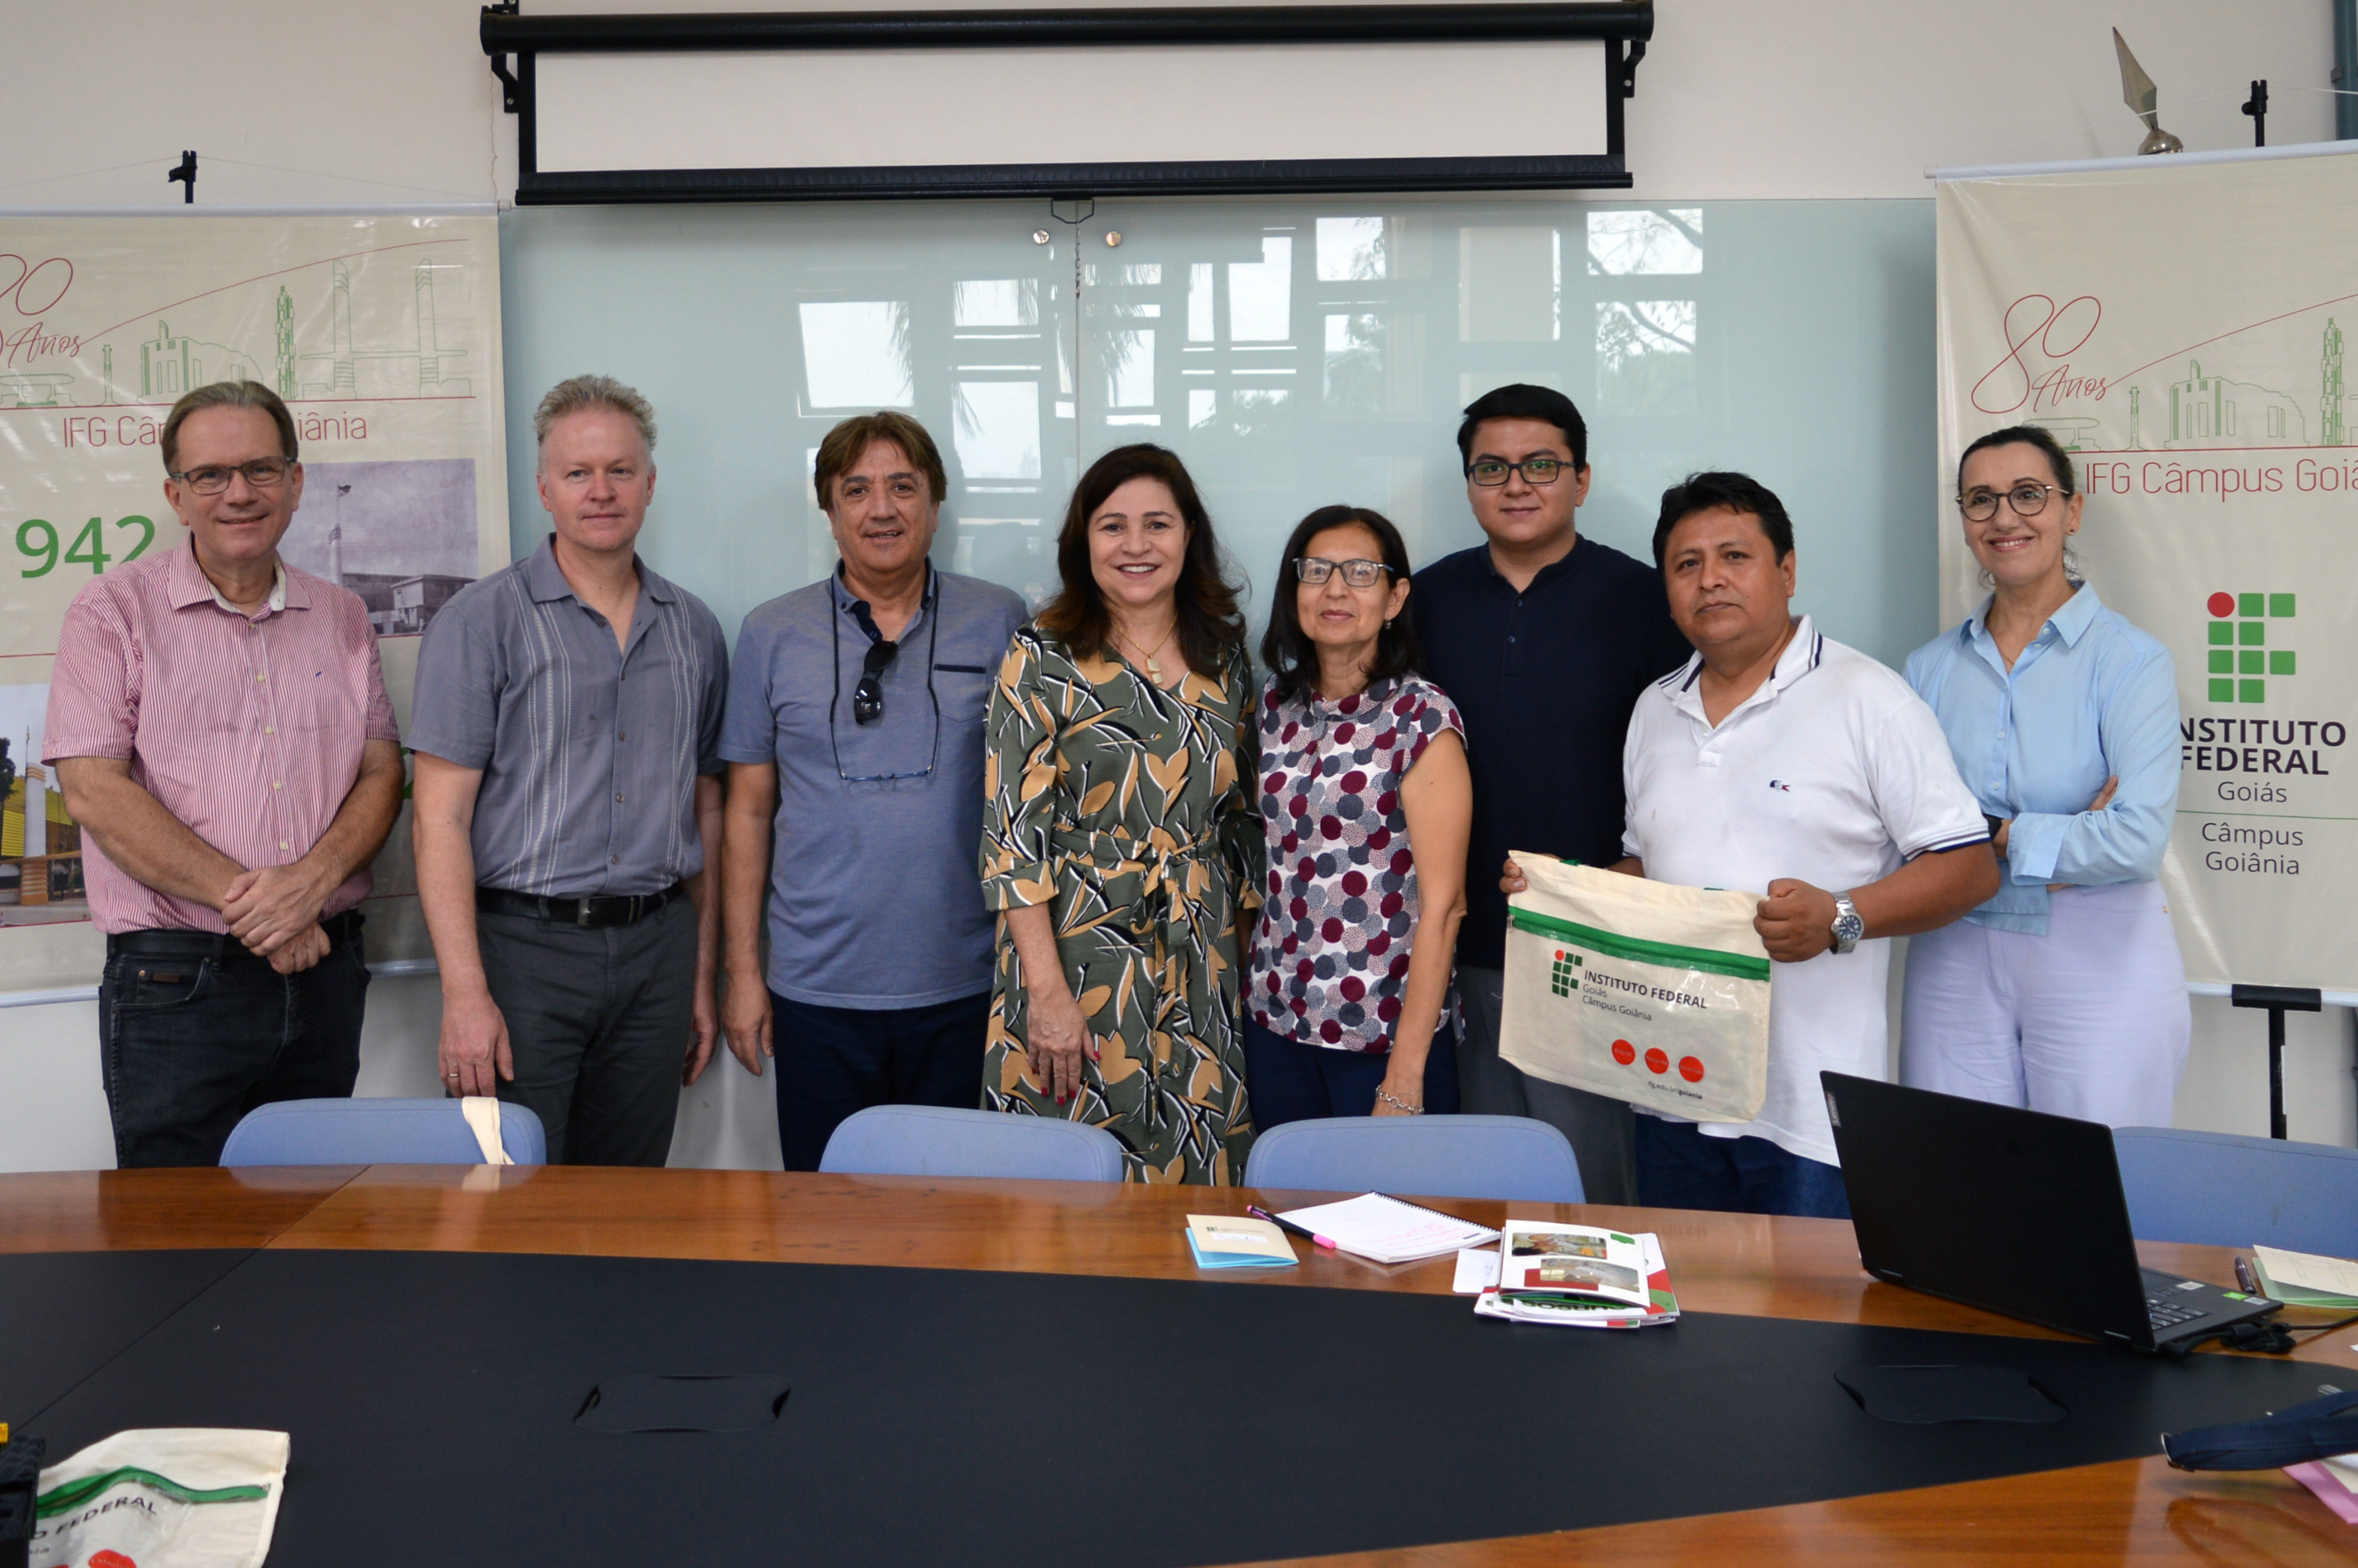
(382, 334)
(2181, 327)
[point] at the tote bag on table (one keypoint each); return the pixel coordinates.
(1638, 991)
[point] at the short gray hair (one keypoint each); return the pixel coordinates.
(577, 394)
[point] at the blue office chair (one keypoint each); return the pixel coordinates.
(376, 1133)
(1509, 1157)
(936, 1140)
(2220, 1190)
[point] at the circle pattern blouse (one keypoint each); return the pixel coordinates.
(1330, 954)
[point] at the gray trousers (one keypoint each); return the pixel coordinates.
(599, 1023)
(1602, 1131)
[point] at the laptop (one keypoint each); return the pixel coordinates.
(2015, 1211)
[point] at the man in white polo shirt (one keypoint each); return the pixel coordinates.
(1777, 759)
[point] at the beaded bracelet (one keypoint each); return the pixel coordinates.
(1402, 1106)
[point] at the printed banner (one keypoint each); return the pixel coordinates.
(2179, 327)
(383, 335)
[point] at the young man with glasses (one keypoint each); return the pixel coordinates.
(1543, 639)
(567, 727)
(855, 751)
(221, 730)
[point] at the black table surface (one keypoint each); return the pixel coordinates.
(979, 1418)
(65, 1315)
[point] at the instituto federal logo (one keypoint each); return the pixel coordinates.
(2243, 655)
(1563, 975)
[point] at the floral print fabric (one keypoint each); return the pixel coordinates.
(1126, 809)
(1330, 956)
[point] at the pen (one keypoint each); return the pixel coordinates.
(1288, 1226)
(2243, 1278)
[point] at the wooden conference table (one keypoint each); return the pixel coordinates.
(2134, 1511)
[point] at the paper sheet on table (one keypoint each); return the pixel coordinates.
(1388, 1231)
(2335, 1483)
(2307, 1271)
(1477, 1270)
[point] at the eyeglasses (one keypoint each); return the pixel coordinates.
(1316, 569)
(1491, 472)
(2027, 500)
(868, 697)
(261, 473)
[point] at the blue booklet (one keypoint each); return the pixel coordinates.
(1230, 1241)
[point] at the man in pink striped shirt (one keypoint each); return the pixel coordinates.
(220, 726)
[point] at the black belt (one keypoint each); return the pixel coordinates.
(180, 943)
(588, 912)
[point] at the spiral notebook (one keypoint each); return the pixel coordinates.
(1387, 1229)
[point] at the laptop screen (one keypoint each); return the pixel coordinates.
(2016, 1211)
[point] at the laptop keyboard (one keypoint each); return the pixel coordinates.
(2167, 1313)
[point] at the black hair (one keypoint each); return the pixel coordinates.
(1522, 401)
(1734, 492)
(2039, 436)
(1285, 649)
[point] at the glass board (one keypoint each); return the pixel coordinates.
(1295, 354)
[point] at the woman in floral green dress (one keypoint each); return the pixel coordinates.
(1120, 838)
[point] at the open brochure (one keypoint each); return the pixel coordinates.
(1577, 1275)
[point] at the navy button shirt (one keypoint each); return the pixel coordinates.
(1544, 679)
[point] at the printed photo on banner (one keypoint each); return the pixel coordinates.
(40, 847)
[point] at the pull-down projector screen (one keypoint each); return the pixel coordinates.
(871, 108)
(742, 106)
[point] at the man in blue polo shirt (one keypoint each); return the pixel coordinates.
(854, 738)
(1543, 640)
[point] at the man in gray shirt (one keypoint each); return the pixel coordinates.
(567, 724)
(855, 718)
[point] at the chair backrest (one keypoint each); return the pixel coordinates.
(939, 1141)
(376, 1133)
(1509, 1157)
(2220, 1190)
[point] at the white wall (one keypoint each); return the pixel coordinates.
(296, 101)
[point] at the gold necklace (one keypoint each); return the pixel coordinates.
(1154, 669)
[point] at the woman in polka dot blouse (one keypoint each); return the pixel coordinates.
(1366, 805)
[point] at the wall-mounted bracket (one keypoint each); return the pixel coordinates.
(511, 93)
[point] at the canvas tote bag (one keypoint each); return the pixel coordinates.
(1639, 991)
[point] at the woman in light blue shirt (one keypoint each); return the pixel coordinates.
(2065, 993)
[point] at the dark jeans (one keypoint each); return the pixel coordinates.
(194, 1030)
(833, 1061)
(1290, 1081)
(1679, 1167)
(598, 1023)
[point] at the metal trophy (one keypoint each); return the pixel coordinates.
(2138, 91)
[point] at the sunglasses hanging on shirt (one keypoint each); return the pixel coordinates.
(868, 695)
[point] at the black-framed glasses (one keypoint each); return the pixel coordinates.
(868, 697)
(1316, 569)
(2026, 499)
(261, 473)
(1491, 472)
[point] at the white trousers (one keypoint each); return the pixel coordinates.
(2090, 1021)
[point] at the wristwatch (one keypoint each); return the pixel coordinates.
(1848, 927)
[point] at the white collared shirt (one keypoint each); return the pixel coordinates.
(1834, 773)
